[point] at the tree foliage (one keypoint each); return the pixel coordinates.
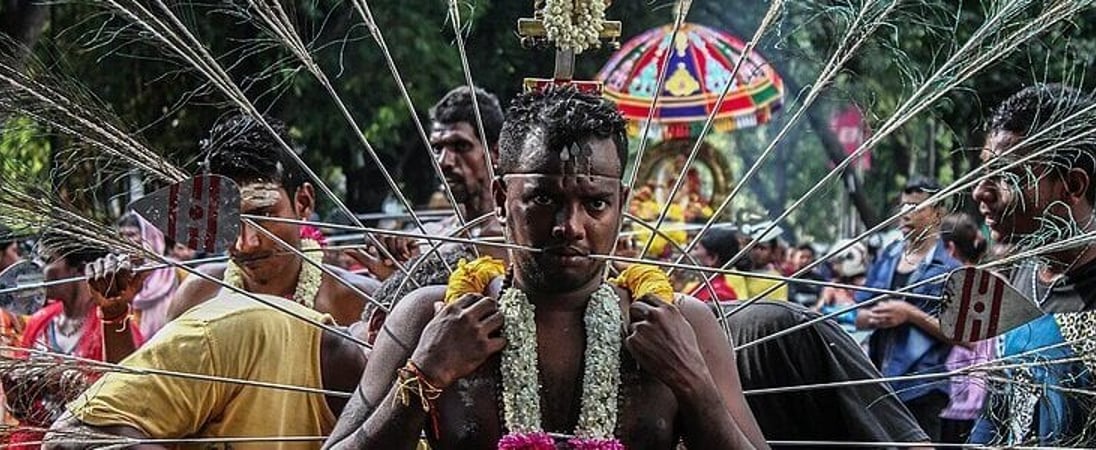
(172, 106)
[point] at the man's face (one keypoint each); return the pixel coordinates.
(570, 209)
(802, 258)
(762, 254)
(131, 234)
(260, 257)
(1018, 202)
(9, 255)
(57, 268)
(460, 155)
(917, 224)
(703, 256)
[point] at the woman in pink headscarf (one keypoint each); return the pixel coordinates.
(152, 302)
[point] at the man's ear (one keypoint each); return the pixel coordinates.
(1077, 185)
(498, 191)
(494, 151)
(304, 201)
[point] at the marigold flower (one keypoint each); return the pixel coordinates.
(641, 279)
(473, 277)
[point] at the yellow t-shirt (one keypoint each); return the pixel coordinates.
(749, 287)
(229, 336)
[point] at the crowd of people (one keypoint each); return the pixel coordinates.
(478, 346)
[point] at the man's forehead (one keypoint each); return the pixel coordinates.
(1000, 145)
(591, 156)
(447, 131)
(536, 179)
(260, 194)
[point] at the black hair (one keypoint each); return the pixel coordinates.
(721, 242)
(1036, 108)
(921, 183)
(75, 254)
(456, 106)
(961, 230)
(241, 148)
(432, 271)
(806, 247)
(565, 116)
(128, 219)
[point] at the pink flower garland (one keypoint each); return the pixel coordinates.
(542, 441)
(527, 441)
(595, 444)
(310, 232)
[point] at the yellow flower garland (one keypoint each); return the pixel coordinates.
(641, 280)
(473, 277)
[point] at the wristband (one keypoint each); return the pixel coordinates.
(410, 380)
(122, 319)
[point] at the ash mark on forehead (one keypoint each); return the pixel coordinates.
(260, 194)
(587, 156)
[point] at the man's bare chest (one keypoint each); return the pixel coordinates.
(470, 412)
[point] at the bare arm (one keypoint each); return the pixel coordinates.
(372, 419)
(348, 305)
(683, 346)
(718, 352)
(113, 284)
(454, 342)
(118, 342)
(60, 435)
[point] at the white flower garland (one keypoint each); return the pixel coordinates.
(575, 24)
(601, 374)
(308, 281)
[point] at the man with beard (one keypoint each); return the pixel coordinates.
(562, 157)
(907, 339)
(1038, 202)
(271, 184)
(459, 152)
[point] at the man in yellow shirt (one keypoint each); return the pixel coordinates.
(229, 336)
(760, 260)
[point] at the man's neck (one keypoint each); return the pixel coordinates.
(478, 205)
(561, 302)
(922, 244)
(77, 306)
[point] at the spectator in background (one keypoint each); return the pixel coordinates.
(907, 339)
(154, 299)
(965, 243)
(760, 260)
(11, 325)
(72, 323)
(716, 247)
(9, 248)
(804, 294)
(850, 266)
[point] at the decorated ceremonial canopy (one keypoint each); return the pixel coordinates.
(701, 61)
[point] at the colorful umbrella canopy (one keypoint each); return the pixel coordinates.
(700, 64)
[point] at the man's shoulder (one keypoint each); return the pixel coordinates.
(362, 282)
(233, 308)
(200, 279)
(420, 300)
